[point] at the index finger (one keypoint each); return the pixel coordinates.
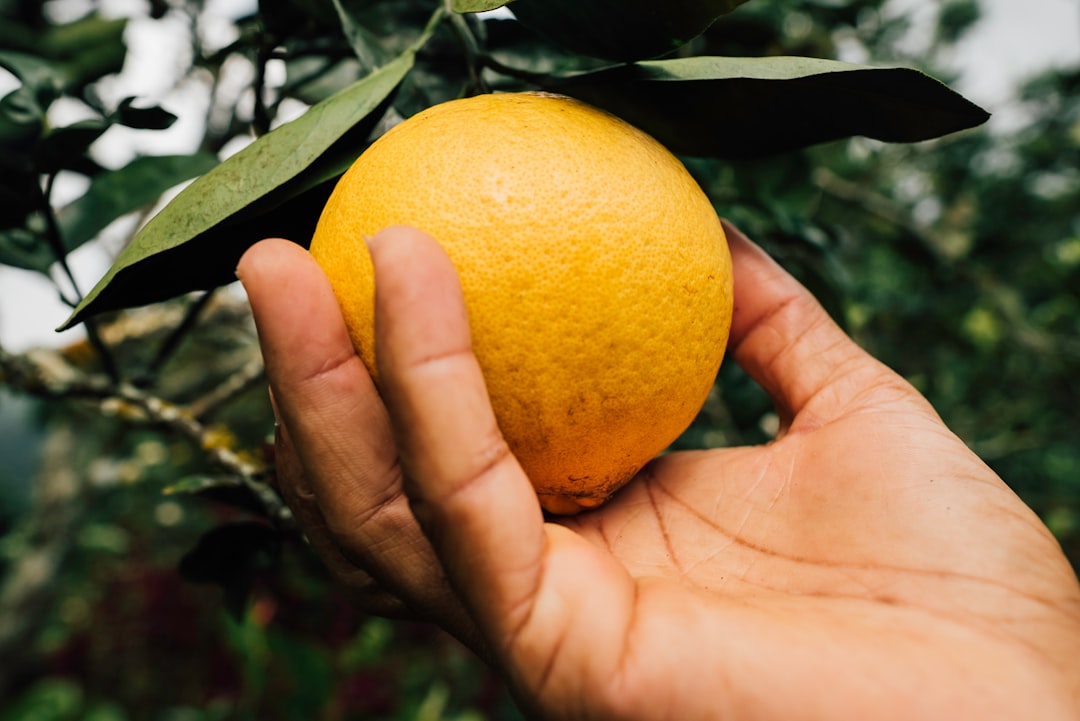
(528, 585)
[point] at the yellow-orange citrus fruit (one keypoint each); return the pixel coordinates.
(596, 275)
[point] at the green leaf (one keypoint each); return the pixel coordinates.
(42, 78)
(312, 79)
(19, 194)
(69, 56)
(751, 107)
(63, 148)
(226, 490)
(118, 192)
(476, 6)
(153, 118)
(197, 484)
(268, 188)
(20, 248)
(21, 118)
(71, 40)
(87, 49)
(364, 45)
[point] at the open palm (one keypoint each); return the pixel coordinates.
(864, 565)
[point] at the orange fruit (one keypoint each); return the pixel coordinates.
(596, 275)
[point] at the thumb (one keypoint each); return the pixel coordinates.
(786, 342)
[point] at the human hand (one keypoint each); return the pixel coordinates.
(865, 564)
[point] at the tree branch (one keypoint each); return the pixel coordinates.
(45, 374)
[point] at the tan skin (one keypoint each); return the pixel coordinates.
(864, 565)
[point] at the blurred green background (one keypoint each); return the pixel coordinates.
(139, 582)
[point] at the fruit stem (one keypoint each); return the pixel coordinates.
(474, 56)
(55, 238)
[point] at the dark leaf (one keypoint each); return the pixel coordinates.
(374, 32)
(617, 30)
(750, 107)
(118, 192)
(382, 30)
(291, 18)
(364, 43)
(195, 241)
(44, 80)
(21, 123)
(209, 259)
(83, 165)
(312, 79)
(87, 49)
(19, 194)
(956, 18)
(231, 557)
(62, 148)
(21, 120)
(438, 76)
(155, 118)
(67, 57)
(20, 248)
(72, 40)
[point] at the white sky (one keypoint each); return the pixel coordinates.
(1015, 39)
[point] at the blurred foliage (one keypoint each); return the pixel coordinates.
(957, 262)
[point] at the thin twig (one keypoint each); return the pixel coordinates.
(891, 212)
(260, 120)
(108, 363)
(45, 373)
(241, 380)
(55, 238)
(511, 72)
(173, 340)
(473, 52)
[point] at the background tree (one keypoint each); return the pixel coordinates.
(956, 261)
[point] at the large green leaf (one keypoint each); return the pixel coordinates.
(118, 192)
(750, 107)
(275, 186)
